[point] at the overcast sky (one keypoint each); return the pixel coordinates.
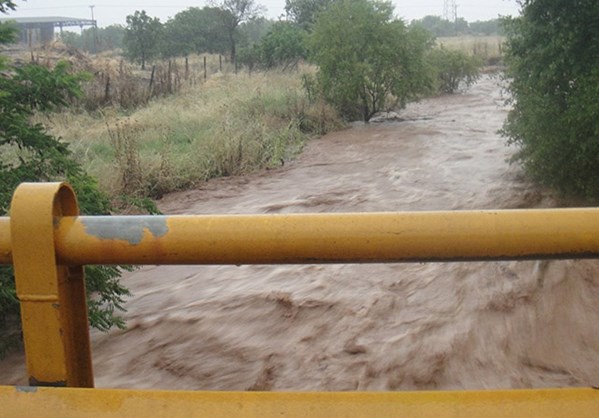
(108, 12)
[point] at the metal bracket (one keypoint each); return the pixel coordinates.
(52, 296)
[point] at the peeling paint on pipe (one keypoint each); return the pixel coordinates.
(123, 228)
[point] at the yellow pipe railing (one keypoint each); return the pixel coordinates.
(322, 238)
(48, 243)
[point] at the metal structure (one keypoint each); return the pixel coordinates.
(41, 29)
(48, 243)
(450, 10)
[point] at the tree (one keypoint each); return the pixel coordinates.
(453, 69)
(442, 27)
(233, 13)
(252, 31)
(29, 153)
(304, 12)
(108, 38)
(366, 57)
(486, 27)
(111, 37)
(142, 37)
(194, 30)
(553, 64)
(284, 45)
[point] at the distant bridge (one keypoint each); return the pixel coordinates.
(35, 30)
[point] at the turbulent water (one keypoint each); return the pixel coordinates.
(364, 327)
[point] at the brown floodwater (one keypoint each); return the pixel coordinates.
(363, 327)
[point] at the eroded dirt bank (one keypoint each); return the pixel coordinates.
(365, 327)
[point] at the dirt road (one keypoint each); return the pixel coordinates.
(364, 327)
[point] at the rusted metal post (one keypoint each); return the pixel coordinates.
(52, 296)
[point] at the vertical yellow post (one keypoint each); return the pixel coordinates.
(52, 296)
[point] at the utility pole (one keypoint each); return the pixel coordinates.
(95, 32)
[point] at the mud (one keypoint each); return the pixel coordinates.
(364, 327)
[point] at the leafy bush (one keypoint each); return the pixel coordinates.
(28, 153)
(453, 69)
(367, 58)
(553, 64)
(283, 46)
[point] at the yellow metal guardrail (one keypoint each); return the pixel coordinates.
(48, 243)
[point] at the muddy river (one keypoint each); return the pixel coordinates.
(364, 327)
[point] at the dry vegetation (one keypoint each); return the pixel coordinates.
(146, 133)
(229, 124)
(488, 48)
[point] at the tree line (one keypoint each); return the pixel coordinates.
(236, 28)
(442, 27)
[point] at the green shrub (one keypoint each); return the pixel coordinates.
(453, 69)
(29, 153)
(553, 65)
(368, 59)
(283, 46)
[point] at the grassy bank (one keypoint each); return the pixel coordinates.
(230, 125)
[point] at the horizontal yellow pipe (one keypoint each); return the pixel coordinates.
(90, 403)
(324, 238)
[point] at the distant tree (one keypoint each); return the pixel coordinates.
(249, 56)
(142, 37)
(553, 65)
(252, 31)
(235, 12)
(453, 69)
(305, 12)
(72, 39)
(108, 38)
(442, 27)
(367, 58)
(194, 30)
(486, 27)
(283, 46)
(111, 37)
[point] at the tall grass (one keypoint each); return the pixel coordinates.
(229, 125)
(488, 48)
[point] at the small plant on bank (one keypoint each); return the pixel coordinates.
(453, 69)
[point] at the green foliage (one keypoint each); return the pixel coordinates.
(233, 13)
(442, 27)
(8, 32)
(253, 30)
(367, 59)
(486, 27)
(142, 37)
(111, 37)
(305, 12)
(553, 64)
(7, 5)
(194, 30)
(107, 39)
(28, 153)
(283, 46)
(250, 56)
(453, 69)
